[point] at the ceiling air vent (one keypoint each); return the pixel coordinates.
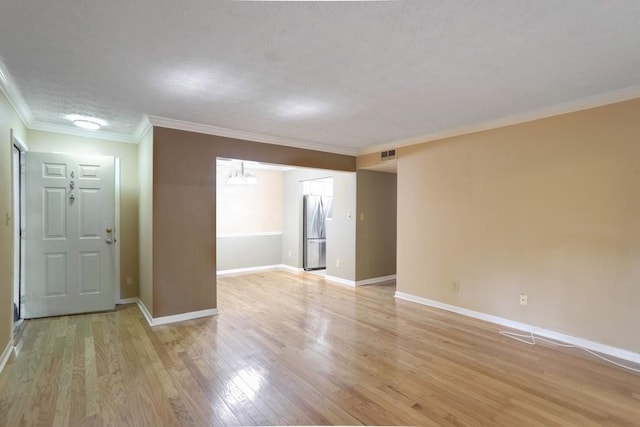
(388, 155)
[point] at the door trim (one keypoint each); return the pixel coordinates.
(116, 179)
(18, 198)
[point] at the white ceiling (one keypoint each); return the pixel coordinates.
(345, 76)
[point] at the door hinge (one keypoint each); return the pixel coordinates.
(23, 169)
(23, 233)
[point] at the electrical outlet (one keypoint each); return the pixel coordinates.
(338, 263)
(523, 299)
(361, 217)
(455, 286)
(129, 280)
(289, 254)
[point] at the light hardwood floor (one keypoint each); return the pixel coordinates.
(289, 349)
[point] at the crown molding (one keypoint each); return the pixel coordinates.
(247, 136)
(13, 95)
(142, 129)
(586, 103)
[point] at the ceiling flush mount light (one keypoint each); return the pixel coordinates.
(241, 177)
(84, 122)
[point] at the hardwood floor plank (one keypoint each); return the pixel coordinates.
(64, 390)
(290, 349)
(77, 402)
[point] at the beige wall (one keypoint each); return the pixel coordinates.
(8, 120)
(184, 210)
(40, 141)
(376, 225)
(549, 208)
(368, 160)
(249, 208)
(145, 178)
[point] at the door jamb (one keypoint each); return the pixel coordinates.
(19, 198)
(116, 234)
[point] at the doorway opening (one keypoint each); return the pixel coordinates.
(18, 190)
(259, 218)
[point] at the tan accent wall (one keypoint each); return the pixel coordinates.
(40, 141)
(368, 160)
(549, 208)
(249, 208)
(8, 120)
(376, 225)
(184, 210)
(145, 219)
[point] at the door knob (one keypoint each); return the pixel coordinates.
(109, 230)
(110, 240)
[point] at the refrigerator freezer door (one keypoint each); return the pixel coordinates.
(315, 254)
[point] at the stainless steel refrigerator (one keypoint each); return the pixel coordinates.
(315, 210)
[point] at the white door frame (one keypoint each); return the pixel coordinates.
(116, 233)
(18, 199)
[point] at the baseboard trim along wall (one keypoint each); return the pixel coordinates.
(291, 268)
(164, 320)
(547, 333)
(249, 269)
(375, 280)
(145, 312)
(264, 233)
(260, 268)
(340, 280)
(364, 282)
(128, 300)
(5, 355)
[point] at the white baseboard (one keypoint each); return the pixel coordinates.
(375, 280)
(340, 280)
(132, 300)
(145, 312)
(259, 268)
(5, 355)
(260, 234)
(248, 269)
(353, 283)
(164, 320)
(291, 268)
(547, 333)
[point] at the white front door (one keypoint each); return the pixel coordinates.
(70, 214)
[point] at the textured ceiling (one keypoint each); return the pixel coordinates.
(344, 74)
